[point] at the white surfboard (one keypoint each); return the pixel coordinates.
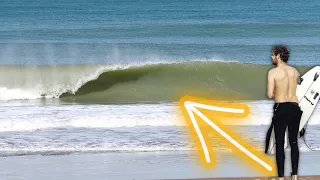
(307, 81)
(308, 92)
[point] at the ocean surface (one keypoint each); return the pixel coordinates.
(106, 76)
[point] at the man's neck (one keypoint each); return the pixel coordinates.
(281, 63)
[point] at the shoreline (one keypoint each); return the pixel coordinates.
(151, 165)
(311, 177)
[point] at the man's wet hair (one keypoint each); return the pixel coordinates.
(282, 50)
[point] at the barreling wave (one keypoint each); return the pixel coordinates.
(168, 82)
(134, 83)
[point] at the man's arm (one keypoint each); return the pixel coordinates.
(270, 84)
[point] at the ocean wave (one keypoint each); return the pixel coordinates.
(138, 82)
(169, 82)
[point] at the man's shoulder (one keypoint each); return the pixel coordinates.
(272, 70)
(291, 67)
(272, 73)
(294, 69)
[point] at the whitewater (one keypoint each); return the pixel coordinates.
(64, 129)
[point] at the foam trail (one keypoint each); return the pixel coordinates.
(30, 118)
(59, 130)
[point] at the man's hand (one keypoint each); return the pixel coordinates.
(270, 84)
(299, 77)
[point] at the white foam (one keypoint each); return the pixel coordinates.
(87, 122)
(94, 149)
(6, 151)
(17, 94)
(29, 118)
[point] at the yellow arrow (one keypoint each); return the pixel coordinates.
(199, 130)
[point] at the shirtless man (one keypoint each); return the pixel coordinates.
(282, 84)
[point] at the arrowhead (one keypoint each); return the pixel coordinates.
(201, 125)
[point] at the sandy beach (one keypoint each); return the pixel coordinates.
(142, 165)
(261, 178)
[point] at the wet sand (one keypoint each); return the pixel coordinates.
(315, 177)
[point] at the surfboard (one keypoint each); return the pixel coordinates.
(308, 92)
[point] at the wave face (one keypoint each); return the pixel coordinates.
(134, 83)
(168, 82)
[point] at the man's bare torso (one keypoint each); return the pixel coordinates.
(285, 83)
